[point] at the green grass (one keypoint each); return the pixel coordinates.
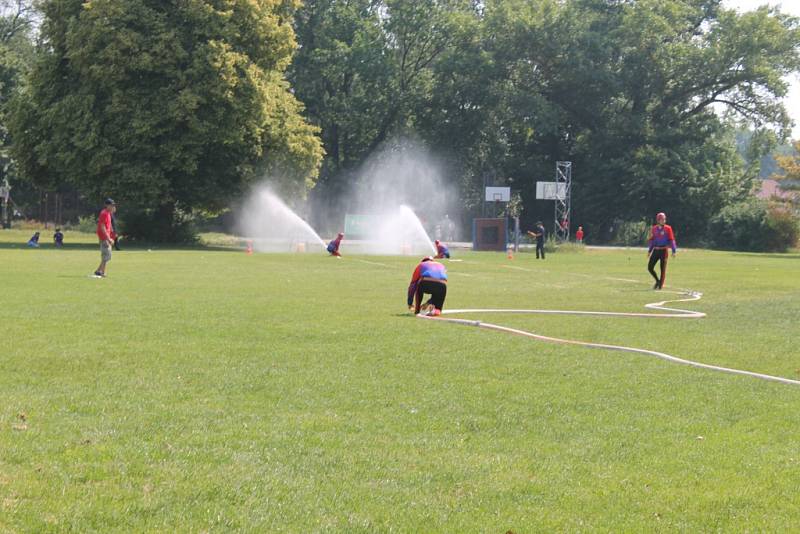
(208, 390)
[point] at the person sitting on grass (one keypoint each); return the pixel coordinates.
(429, 277)
(333, 246)
(58, 238)
(441, 250)
(33, 242)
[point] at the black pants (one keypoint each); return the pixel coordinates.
(437, 291)
(539, 248)
(658, 254)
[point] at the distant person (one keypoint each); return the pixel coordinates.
(430, 277)
(114, 231)
(58, 238)
(538, 233)
(333, 246)
(661, 240)
(105, 233)
(441, 250)
(579, 235)
(449, 228)
(33, 242)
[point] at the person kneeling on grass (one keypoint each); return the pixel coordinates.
(429, 277)
(333, 246)
(33, 242)
(441, 250)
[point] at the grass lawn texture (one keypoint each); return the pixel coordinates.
(205, 389)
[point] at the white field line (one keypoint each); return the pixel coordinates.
(373, 262)
(675, 313)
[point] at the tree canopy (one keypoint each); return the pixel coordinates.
(164, 103)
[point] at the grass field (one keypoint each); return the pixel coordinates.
(209, 390)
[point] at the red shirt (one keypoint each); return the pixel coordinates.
(579, 235)
(104, 225)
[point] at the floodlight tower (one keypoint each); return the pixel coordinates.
(563, 200)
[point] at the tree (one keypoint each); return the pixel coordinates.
(164, 104)
(364, 70)
(790, 165)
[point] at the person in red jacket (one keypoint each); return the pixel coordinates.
(429, 277)
(579, 235)
(661, 240)
(106, 235)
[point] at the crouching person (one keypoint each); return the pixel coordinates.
(430, 277)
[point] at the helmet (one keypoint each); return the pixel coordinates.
(340, 234)
(436, 242)
(426, 258)
(661, 215)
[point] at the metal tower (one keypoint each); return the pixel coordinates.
(563, 200)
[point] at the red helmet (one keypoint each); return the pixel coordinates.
(436, 242)
(661, 215)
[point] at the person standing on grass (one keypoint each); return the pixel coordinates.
(105, 233)
(58, 238)
(429, 277)
(661, 240)
(333, 246)
(579, 235)
(538, 233)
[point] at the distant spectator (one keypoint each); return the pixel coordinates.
(58, 238)
(579, 235)
(114, 230)
(33, 242)
(449, 228)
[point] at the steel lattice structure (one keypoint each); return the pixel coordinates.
(563, 202)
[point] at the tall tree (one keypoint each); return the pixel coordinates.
(166, 104)
(364, 69)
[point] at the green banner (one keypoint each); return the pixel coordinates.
(356, 226)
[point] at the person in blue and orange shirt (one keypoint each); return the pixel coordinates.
(429, 277)
(441, 250)
(333, 246)
(661, 240)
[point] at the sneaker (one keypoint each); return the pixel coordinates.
(436, 312)
(98, 274)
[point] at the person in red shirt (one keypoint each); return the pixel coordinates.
(579, 234)
(105, 233)
(661, 240)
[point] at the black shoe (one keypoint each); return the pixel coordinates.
(98, 274)
(657, 285)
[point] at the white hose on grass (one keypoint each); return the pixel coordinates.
(672, 313)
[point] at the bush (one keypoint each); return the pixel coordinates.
(630, 233)
(87, 224)
(755, 226)
(157, 226)
(783, 230)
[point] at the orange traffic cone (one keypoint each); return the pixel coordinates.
(249, 248)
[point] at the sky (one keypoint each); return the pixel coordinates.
(792, 100)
